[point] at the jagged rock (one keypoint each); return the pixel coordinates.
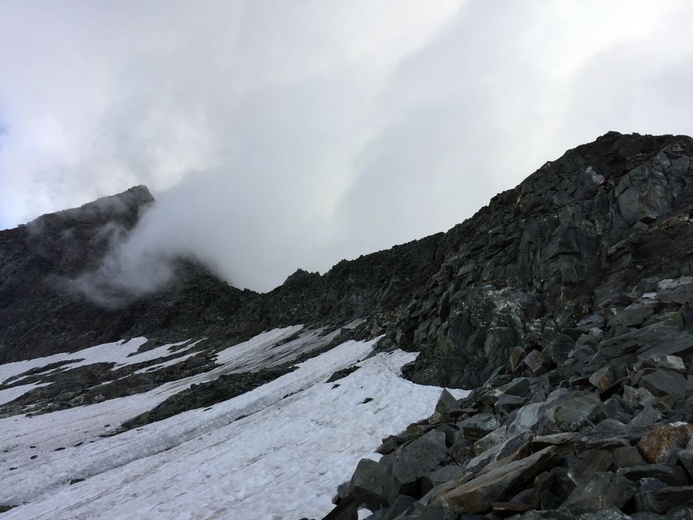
(578, 410)
(374, 483)
(417, 458)
(663, 500)
(478, 426)
(686, 459)
(627, 456)
(536, 362)
(601, 490)
(664, 383)
(668, 473)
(498, 481)
(591, 461)
(604, 377)
(679, 290)
(446, 405)
(663, 442)
(667, 362)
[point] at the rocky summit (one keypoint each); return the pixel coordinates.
(564, 305)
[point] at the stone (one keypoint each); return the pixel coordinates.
(667, 362)
(509, 450)
(646, 417)
(417, 458)
(668, 473)
(590, 462)
(676, 290)
(663, 442)
(665, 383)
(516, 356)
(556, 439)
(633, 315)
(604, 377)
(579, 410)
(609, 513)
(498, 482)
(518, 387)
(537, 362)
(447, 473)
(374, 483)
(663, 500)
(600, 491)
(685, 457)
(478, 426)
(627, 456)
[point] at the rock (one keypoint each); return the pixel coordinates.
(497, 482)
(446, 405)
(646, 417)
(665, 383)
(678, 290)
(590, 462)
(663, 500)
(674, 363)
(579, 410)
(663, 442)
(373, 484)
(668, 473)
(599, 491)
(627, 456)
(536, 362)
(603, 378)
(686, 459)
(417, 458)
(478, 426)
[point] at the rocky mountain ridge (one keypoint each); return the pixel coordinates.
(565, 303)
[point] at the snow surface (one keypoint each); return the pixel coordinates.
(276, 452)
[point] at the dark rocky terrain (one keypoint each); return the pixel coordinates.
(565, 304)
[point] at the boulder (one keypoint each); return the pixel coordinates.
(497, 482)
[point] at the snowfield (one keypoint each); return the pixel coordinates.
(277, 452)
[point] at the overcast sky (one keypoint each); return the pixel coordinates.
(286, 134)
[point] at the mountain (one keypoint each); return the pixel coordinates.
(565, 305)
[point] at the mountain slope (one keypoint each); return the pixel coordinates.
(574, 287)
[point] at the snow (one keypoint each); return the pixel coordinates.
(276, 452)
(121, 353)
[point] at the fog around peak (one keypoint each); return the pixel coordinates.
(280, 135)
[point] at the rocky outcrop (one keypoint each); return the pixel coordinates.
(39, 316)
(605, 433)
(586, 237)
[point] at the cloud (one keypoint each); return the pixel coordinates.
(282, 135)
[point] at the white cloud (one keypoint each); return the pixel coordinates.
(282, 135)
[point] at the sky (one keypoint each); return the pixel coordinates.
(277, 135)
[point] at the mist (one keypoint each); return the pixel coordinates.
(278, 136)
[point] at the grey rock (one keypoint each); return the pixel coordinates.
(600, 491)
(668, 473)
(627, 456)
(417, 458)
(374, 483)
(665, 383)
(663, 500)
(579, 410)
(498, 481)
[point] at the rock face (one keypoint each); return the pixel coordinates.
(593, 243)
(565, 303)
